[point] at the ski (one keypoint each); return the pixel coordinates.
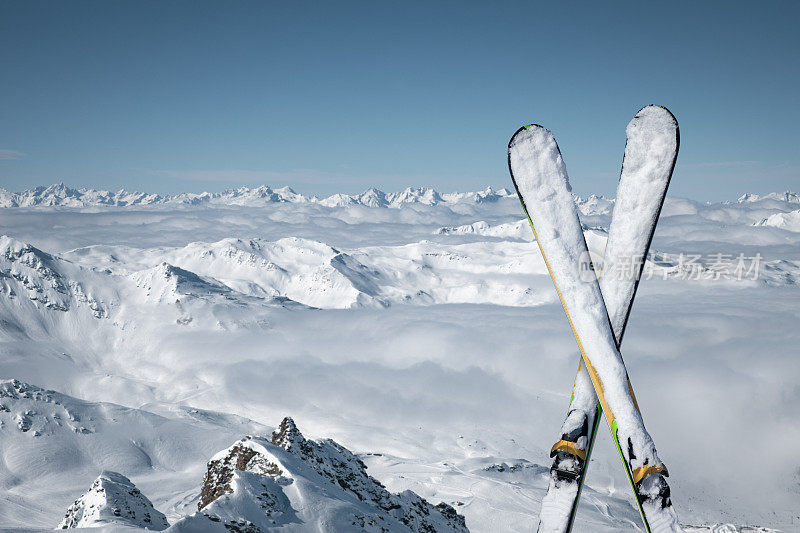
(653, 139)
(540, 177)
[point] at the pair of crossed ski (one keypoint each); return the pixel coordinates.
(598, 310)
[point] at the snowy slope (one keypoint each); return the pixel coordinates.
(441, 358)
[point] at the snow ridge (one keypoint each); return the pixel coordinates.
(786, 196)
(514, 230)
(789, 221)
(28, 271)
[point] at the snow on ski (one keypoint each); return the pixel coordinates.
(650, 154)
(540, 177)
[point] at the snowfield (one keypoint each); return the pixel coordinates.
(143, 336)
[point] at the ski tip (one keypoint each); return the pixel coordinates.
(531, 139)
(658, 117)
(656, 109)
(534, 136)
(530, 129)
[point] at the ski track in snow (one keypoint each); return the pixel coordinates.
(418, 329)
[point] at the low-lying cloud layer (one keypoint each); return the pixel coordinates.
(428, 333)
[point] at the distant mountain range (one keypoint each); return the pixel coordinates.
(59, 195)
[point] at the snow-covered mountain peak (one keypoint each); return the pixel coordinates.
(242, 196)
(261, 194)
(15, 250)
(789, 221)
(416, 195)
(113, 500)
(373, 197)
(285, 191)
(56, 194)
(168, 283)
(27, 270)
(509, 230)
(201, 297)
(595, 205)
(490, 195)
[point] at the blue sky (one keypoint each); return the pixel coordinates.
(336, 97)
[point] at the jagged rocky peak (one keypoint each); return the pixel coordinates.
(113, 500)
(261, 484)
(287, 436)
(220, 471)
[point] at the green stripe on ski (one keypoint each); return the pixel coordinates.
(598, 412)
(630, 475)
